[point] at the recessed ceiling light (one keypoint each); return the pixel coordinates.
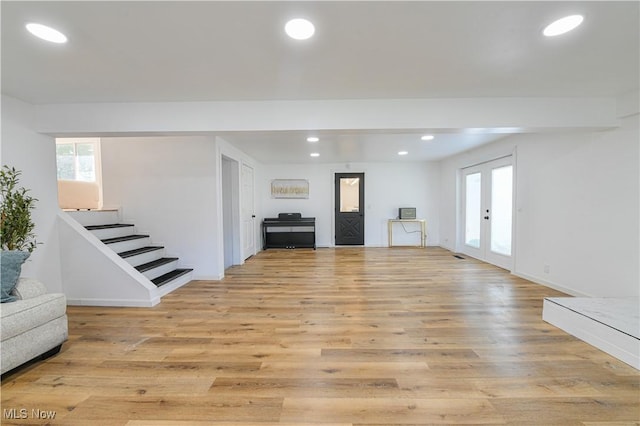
(315, 154)
(563, 25)
(403, 152)
(46, 33)
(313, 139)
(427, 137)
(299, 29)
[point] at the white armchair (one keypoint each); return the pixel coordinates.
(33, 326)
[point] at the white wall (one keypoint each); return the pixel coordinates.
(34, 154)
(167, 187)
(577, 207)
(387, 187)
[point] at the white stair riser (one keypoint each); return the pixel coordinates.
(144, 257)
(172, 285)
(87, 218)
(129, 245)
(103, 234)
(161, 270)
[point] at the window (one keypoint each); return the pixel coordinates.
(79, 173)
(78, 159)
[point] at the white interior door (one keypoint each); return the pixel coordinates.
(248, 212)
(487, 200)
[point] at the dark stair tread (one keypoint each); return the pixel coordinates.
(121, 239)
(155, 263)
(163, 279)
(107, 226)
(141, 250)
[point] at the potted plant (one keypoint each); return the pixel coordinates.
(17, 239)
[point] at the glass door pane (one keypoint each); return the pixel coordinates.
(349, 195)
(472, 210)
(501, 209)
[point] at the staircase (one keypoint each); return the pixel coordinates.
(136, 249)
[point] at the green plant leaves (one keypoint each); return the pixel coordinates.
(16, 225)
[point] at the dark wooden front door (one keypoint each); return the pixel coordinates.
(349, 208)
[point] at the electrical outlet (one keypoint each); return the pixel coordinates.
(547, 269)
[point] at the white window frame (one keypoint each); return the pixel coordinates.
(96, 154)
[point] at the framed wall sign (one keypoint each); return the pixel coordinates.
(289, 188)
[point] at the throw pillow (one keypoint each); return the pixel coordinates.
(10, 268)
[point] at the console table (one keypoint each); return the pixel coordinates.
(423, 230)
(289, 232)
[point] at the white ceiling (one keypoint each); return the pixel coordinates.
(234, 51)
(354, 146)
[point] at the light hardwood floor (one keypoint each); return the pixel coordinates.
(347, 336)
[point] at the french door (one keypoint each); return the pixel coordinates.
(487, 200)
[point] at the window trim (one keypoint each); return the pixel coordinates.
(96, 154)
(97, 158)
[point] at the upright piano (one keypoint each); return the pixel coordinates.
(289, 230)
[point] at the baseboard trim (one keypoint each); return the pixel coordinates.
(550, 284)
(540, 281)
(208, 277)
(114, 302)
